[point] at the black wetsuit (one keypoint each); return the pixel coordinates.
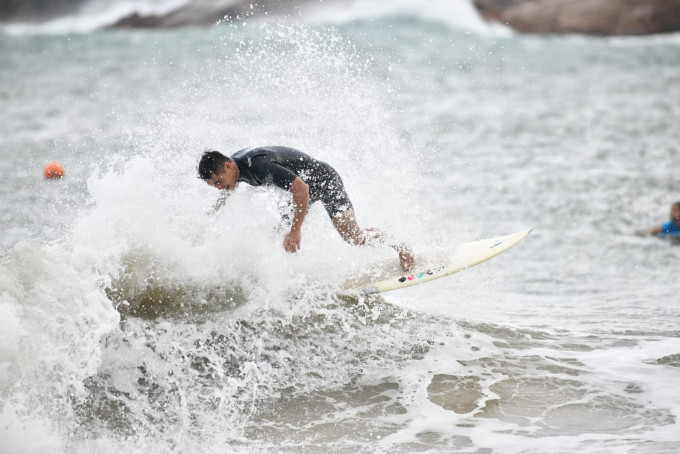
(279, 166)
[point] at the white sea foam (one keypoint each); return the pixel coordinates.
(567, 342)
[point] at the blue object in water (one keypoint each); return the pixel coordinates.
(668, 229)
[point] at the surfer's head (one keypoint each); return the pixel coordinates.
(675, 214)
(218, 170)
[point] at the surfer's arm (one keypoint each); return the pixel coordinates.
(656, 230)
(221, 199)
(300, 192)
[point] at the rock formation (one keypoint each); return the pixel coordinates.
(593, 17)
(208, 12)
(36, 10)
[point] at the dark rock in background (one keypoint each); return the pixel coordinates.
(209, 12)
(35, 10)
(593, 17)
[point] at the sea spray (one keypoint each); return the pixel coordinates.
(220, 341)
(152, 316)
(58, 314)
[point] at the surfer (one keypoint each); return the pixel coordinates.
(672, 226)
(308, 179)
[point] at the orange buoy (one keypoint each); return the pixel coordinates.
(53, 170)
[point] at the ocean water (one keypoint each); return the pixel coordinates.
(133, 321)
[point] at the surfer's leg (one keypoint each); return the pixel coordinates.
(339, 208)
(346, 224)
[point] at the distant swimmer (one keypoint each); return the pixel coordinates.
(308, 179)
(671, 227)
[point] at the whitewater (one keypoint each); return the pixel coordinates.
(133, 320)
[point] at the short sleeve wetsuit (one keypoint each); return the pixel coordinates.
(279, 166)
(669, 229)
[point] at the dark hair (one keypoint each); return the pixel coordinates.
(211, 162)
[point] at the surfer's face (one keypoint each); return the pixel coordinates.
(675, 214)
(226, 179)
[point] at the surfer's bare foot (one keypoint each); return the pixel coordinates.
(408, 262)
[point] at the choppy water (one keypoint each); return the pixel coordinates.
(131, 321)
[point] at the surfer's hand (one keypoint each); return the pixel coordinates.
(220, 201)
(291, 242)
(408, 262)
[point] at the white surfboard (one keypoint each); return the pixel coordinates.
(464, 256)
